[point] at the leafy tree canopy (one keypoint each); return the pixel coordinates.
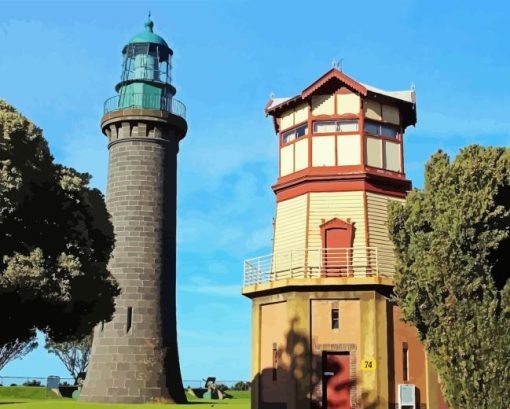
(452, 243)
(75, 355)
(55, 243)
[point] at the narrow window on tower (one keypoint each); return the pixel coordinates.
(335, 316)
(102, 326)
(275, 361)
(405, 361)
(129, 319)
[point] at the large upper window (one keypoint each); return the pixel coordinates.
(377, 128)
(335, 126)
(295, 133)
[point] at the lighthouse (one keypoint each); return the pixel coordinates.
(325, 333)
(134, 357)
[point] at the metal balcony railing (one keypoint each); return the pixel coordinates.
(314, 263)
(146, 101)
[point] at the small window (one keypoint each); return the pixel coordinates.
(405, 361)
(372, 127)
(376, 128)
(335, 318)
(389, 131)
(324, 126)
(335, 126)
(293, 134)
(347, 126)
(275, 361)
(129, 320)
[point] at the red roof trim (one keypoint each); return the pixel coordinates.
(334, 73)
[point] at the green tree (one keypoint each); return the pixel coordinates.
(75, 355)
(15, 349)
(453, 264)
(55, 244)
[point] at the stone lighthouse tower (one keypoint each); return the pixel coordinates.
(134, 357)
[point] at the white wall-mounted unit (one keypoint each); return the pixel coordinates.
(406, 396)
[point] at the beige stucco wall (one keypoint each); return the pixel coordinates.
(374, 152)
(323, 151)
(274, 327)
(392, 156)
(286, 160)
(349, 150)
(377, 206)
(301, 154)
(323, 105)
(347, 104)
(349, 319)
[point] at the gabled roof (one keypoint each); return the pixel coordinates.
(335, 79)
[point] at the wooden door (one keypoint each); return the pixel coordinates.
(337, 238)
(336, 381)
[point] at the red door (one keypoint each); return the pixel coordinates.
(337, 251)
(336, 381)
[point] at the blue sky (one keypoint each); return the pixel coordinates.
(59, 62)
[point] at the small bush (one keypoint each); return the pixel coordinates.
(33, 382)
(242, 386)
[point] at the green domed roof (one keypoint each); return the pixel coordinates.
(148, 36)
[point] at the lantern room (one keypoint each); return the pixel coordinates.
(146, 75)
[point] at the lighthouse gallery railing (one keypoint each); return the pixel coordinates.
(317, 263)
(145, 101)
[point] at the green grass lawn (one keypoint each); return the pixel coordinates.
(20, 397)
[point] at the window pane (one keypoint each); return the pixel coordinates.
(289, 136)
(301, 131)
(372, 127)
(389, 131)
(347, 126)
(334, 318)
(324, 126)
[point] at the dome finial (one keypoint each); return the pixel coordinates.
(149, 24)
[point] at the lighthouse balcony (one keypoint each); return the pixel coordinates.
(353, 265)
(145, 101)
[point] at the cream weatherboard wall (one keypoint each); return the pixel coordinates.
(294, 116)
(382, 112)
(289, 230)
(323, 151)
(373, 110)
(374, 152)
(325, 206)
(347, 104)
(377, 206)
(391, 114)
(287, 160)
(348, 150)
(323, 105)
(301, 154)
(392, 156)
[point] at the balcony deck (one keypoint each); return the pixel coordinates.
(316, 266)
